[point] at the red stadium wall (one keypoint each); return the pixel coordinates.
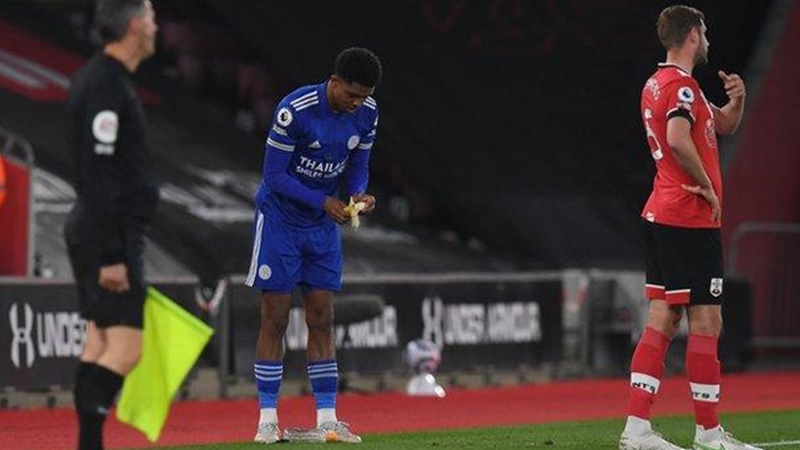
(15, 219)
(763, 185)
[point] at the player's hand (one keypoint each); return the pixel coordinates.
(734, 86)
(710, 196)
(368, 200)
(335, 210)
(114, 278)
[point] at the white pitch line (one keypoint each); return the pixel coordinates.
(777, 444)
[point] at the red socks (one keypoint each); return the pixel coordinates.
(703, 369)
(647, 368)
(702, 366)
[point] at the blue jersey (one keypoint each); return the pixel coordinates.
(309, 149)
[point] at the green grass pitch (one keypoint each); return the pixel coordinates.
(778, 429)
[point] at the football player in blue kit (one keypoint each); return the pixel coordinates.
(321, 136)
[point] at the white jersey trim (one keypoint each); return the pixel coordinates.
(299, 105)
(279, 146)
(303, 98)
(680, 291)
(251, 275)
(306, 105)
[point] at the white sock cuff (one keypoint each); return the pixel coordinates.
(645, 382)
(268, 415)
(705, 392)
(326, 415)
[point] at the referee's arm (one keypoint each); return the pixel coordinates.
(100, 171)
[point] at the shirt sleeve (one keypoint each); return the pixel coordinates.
(368, 139)
(683, 100)
(358, 165)
(279, 149)
(101, 183)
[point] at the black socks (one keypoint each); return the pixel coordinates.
(95, 389)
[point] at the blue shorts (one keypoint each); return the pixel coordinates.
(285, 256)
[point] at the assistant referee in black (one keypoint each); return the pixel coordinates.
(117, 196)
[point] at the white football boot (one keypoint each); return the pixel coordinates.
(648, 440)
(268, 433)
(718, 439)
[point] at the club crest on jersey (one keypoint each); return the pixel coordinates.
(711, 133)
(105, 126)
(264, 272)
(353, 141)
(652, 85)
(716, 287)
(284, 117)
(685, 94)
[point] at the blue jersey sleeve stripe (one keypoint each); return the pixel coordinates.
(279, 146)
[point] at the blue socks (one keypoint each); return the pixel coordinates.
(324, 377)
(268, 376)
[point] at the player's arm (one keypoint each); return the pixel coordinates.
(679, 139)
(728, 118)
(358, 179)
(281, 142)
(276, 165)
(357, 176)
(102, 188)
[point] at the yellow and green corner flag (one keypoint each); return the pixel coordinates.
(172, 342)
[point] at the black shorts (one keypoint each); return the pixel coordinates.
(683, 265)
(104, 307)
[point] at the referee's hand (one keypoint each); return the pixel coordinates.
(114, 278)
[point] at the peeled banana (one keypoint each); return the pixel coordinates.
(353, 209)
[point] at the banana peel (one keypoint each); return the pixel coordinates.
(354, 208)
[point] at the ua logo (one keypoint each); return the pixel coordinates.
(21, 335)
(716, 287)
(432, 316)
